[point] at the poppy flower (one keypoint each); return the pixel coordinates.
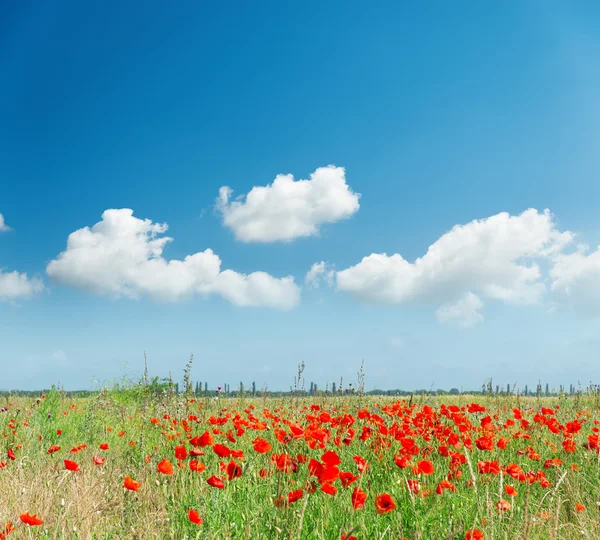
(485, 443)
(98, 460)
(221, 450)
(425, 467)
(384, 503)
(579, 507)
(347, 478)
(330, 458)
(131, 484)
(165, 467)
(71, 465)
(261, 446)
(215, 482)
(197, 466)
(52, 449)
(11, 454)
(361, 463)
(194, 517)
(510, 490)
(206, 439)
(358, 498)
(180, 452)
(474, 534)
(402, 461)
(234, 470)
(31, 520)
(104, 446)
(295, 495)
(443, 485)
(329, 488)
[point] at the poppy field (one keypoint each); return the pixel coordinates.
(125, 465)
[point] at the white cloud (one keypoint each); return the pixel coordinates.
(122, 256)
(464, 312)
(3, 226)
(289, 209)
(15, 285)
(319, 272)
(493, 258)
(576, 280)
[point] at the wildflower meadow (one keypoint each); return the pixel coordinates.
(135, 463)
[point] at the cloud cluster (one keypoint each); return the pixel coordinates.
(497, 258)
(288, 208)
(515, 259)
(122, 256)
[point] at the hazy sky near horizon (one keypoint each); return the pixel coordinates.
(263, 184)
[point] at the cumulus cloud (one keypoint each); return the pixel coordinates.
(16, 285)
(576, 280)
(494, 258)
(122, 256)
(464, 312)
(3, 226)
(318, 273)
(288, 208)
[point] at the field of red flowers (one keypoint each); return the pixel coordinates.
(118, 465)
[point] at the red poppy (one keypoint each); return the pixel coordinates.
(98, 460)
(165, 467)
(234, 470)
(384, 503)
(131, 484)
(206, 439)
(579, 507)
(358, 498)
(330, 458)
(329, 488)
(31, 520)
(11, 454)
(347, 478)
(402, 461)
(261, 445)
(295, 495)
(474, 534)
(510, 490)
(71, 465)
(52, 449)
(194, 517)
(443, 485)
(104, 446)
(216, 482)
(484, 443)
(7, 530)
(425, 467)
(221, 450)
(180, 452)
(361, 463)
(197, 466)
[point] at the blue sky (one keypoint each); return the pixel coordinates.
(436, 116)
